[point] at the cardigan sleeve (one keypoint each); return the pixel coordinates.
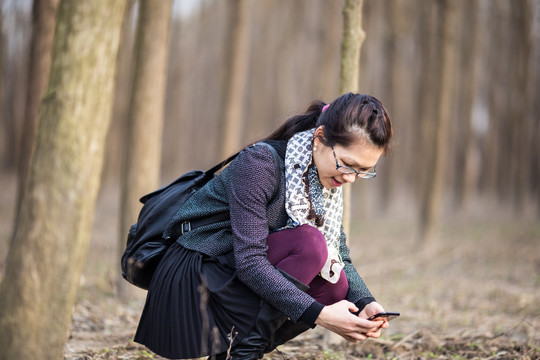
(253, 180)
(358, 293)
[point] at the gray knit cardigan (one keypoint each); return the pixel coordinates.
(253, 191)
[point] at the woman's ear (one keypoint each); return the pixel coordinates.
(319, 132)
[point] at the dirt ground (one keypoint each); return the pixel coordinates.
(474, 294)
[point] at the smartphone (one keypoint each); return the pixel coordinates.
(388, 315)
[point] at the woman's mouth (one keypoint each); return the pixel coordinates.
(335, 182)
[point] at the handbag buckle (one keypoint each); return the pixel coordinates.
(185, 227)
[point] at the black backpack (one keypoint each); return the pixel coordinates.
(146, 242)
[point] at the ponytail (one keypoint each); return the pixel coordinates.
(298, 123)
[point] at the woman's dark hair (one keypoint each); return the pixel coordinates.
(298, 123)
(346, 118)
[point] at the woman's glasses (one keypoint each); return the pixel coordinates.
(371, 173)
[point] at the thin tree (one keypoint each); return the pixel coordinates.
(466, 155)
(145, 119)
(2, 86)
(116, 139)
(43, 24)
(522, 81)
(432, 199)
(236, 63)
(353, 38)
(50, 242)
(428, 35)
(533, 105)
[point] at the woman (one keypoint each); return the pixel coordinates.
(238, 288)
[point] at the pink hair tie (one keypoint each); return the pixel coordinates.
(325, 107)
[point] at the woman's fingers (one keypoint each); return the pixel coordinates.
(370, 326)
(339, 319)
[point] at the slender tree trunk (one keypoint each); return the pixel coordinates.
(434, 194)
(519, 164)
(237, 56)
(3, 132)
(396, 26)
(47, 254)
(533, 105)
(16, 73)
(476, 164)
(466, 158)
(428, 39)
(326, 65)
(502, 105)
(146, 111)
(43, 24)
(116, 139)
(353, 38)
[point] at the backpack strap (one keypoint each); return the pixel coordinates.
(216, 167)
(275, 147)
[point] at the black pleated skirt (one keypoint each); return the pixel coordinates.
(195, 306)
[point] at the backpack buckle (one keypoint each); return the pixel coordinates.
(185, 227)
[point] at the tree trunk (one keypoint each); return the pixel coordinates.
(237, 56)
(3, 122)
(434, 192)
(353, 38)
(522, 129)
(533, 105)
(429, 58)
(15, 72)
(50, 242)
(43, 23)
(145, 119)
(397, 23)
(116, 138)
(475, 159)
(466, 156)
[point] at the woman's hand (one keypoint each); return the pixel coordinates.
(371, 309)
(339, 319)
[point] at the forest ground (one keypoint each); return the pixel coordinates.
(474, 294)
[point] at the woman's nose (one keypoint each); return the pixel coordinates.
(350, 178)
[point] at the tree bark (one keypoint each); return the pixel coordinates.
(533, 105)
(3, 134)
(353, 38)
(43, 24)
(520, 81)
(237, 56)
(116, 138)
(51, 237)
(428, 40)
(396, 26)
(433, 196)
(466, 156)
(145, 119)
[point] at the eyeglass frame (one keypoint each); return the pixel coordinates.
(360, 174)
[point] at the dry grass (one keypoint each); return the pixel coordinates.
(472, 295)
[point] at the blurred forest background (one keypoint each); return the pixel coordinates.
(292, 56)
(460, 78)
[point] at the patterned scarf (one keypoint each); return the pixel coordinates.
(309, 202)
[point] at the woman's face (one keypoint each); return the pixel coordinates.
(360, 155)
